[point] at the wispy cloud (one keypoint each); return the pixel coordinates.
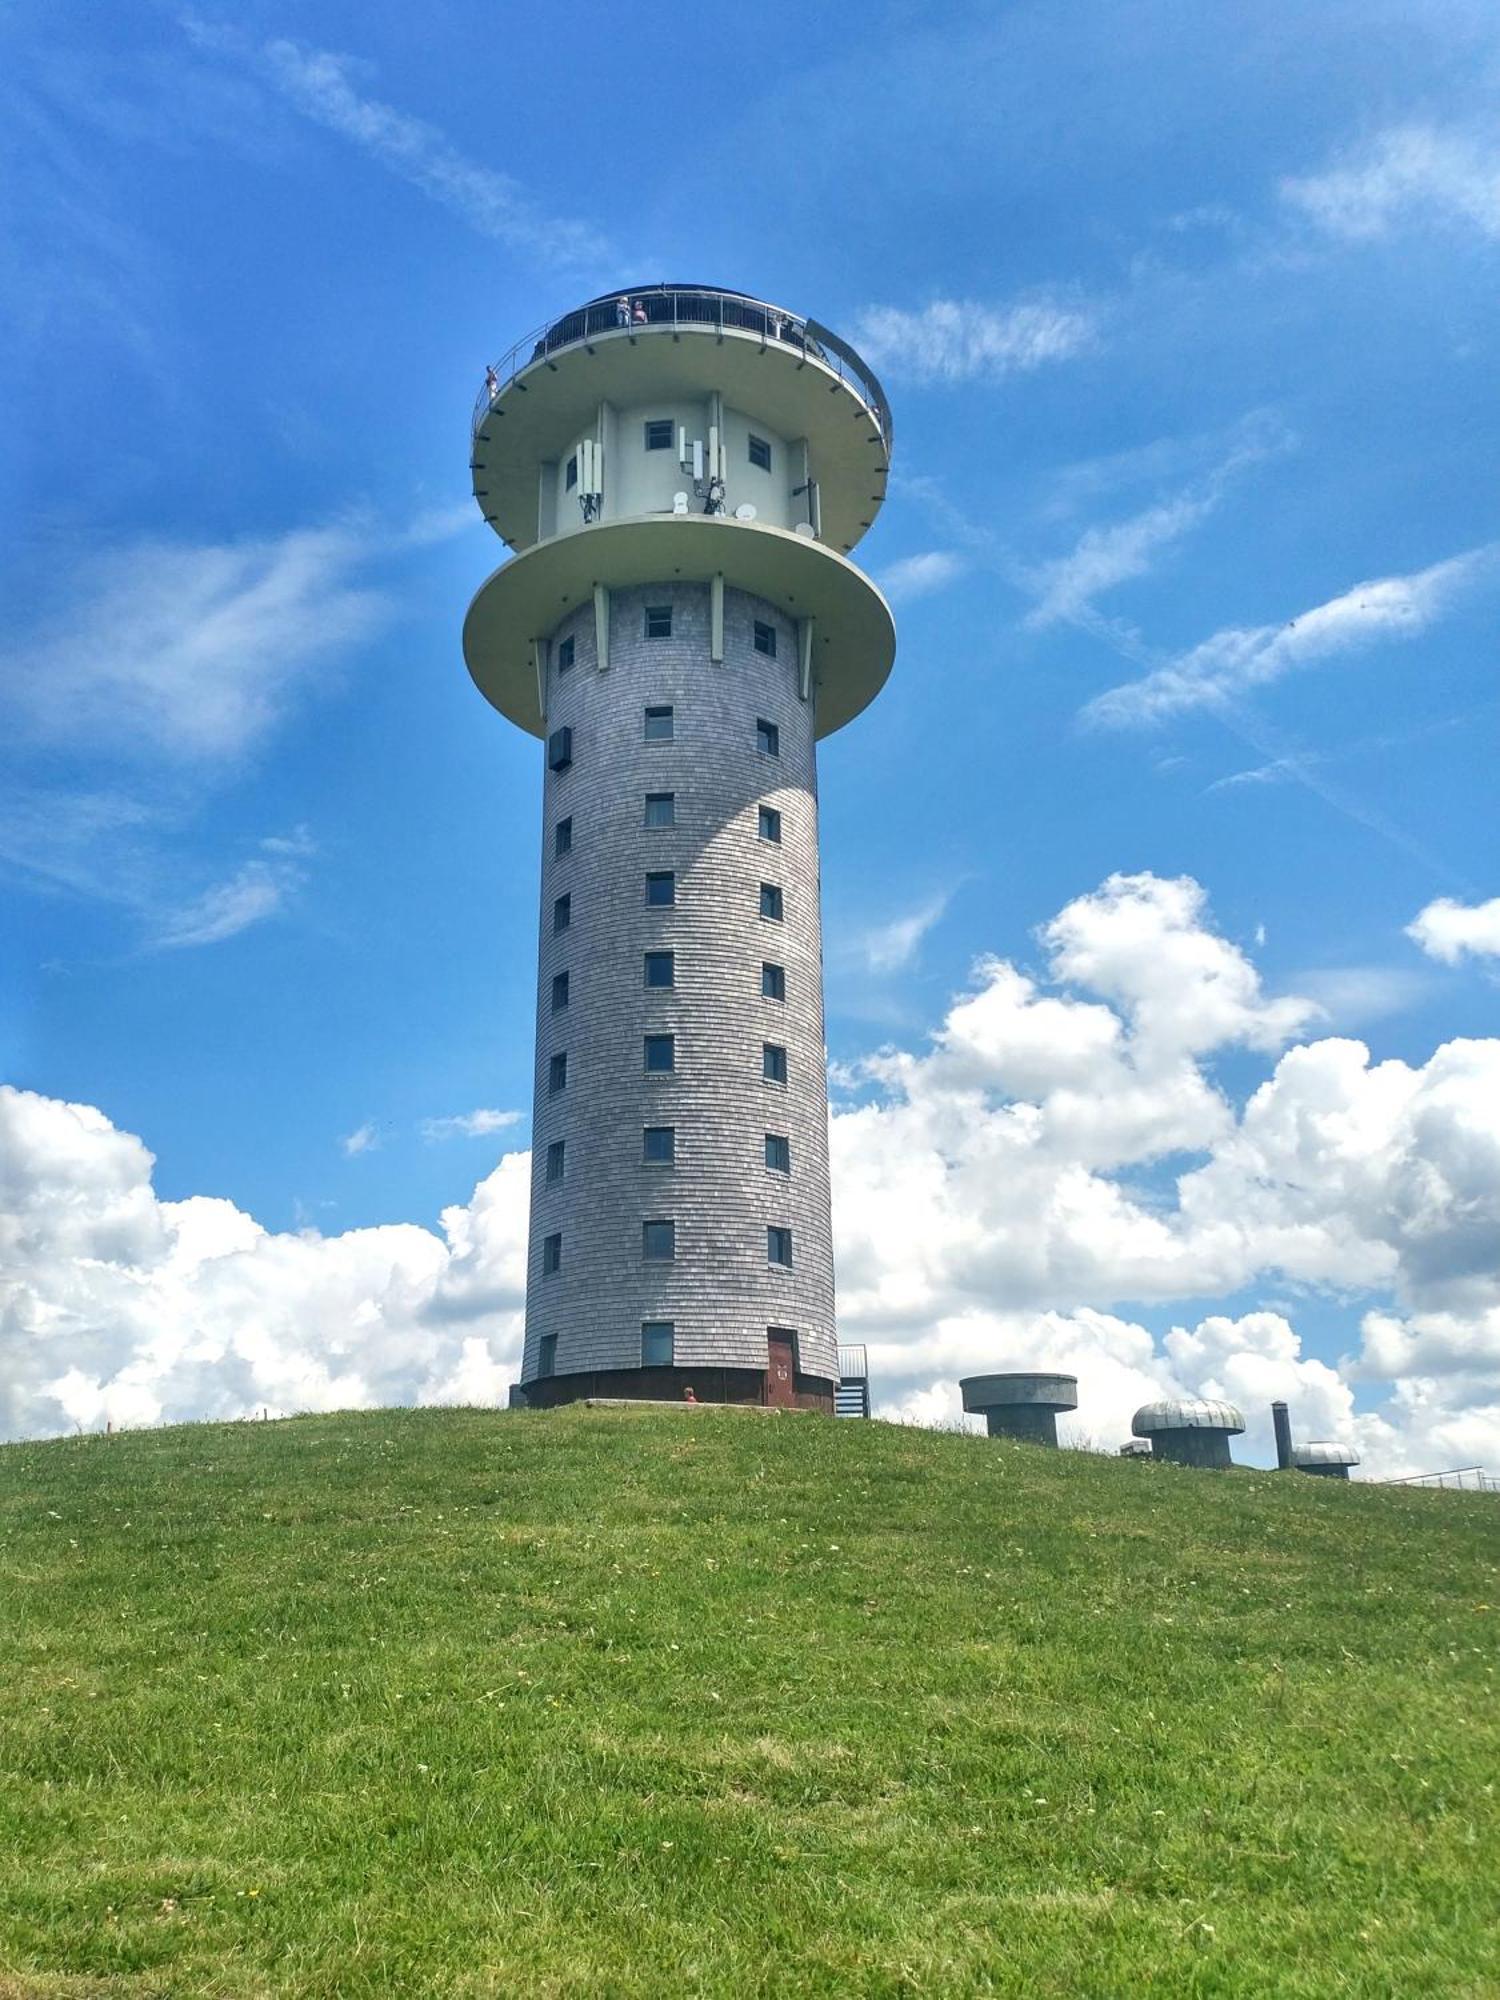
(919, 576)
(958, 340)
(189, 651)
(1115, 552)
(1448, 930)
(258, 889)
(1240, 658)
(1407, 174)
(892, 946)
(323, 87)
(364, 1139)
(468, 1125)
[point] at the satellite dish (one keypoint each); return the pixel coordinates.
(806, 530)
(679, 503)
(744, 512)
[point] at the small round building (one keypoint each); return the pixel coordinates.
(1189, 1431)
(1324, 1459)
(1024, 1406)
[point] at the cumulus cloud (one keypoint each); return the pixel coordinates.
(959, 340)
(1450, 930)
(1409, 174)
(1063, 1154)
(1240, 658)
(481, 1124)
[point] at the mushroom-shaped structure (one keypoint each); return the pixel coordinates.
(1324, 1460)
(1020, 1406)
(1191, 1432)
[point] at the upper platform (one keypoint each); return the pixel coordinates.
(562, 417)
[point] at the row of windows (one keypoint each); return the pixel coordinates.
(659, 727)
(661, 894)
(659, 972)
(658, 1345)
(661, 811)
(659, 1246)
(659, 1058)
(659, 1149)
(657, 624)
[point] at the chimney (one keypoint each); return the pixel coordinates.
(1282, 1422)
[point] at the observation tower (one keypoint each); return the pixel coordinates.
(680, 474)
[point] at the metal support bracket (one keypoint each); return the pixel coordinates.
(804, 657)
(601, 625)
(716, 618)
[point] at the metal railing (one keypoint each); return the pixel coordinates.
(1465, 1478)
(631, 313)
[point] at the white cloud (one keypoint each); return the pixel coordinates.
(479, 1124)
(257, 890)
(322, 86)
(364, 1139)
(1112, 554)
(189, 652)
(1410, 174)
(920, 575)
(1063, 1145)
(1240, 658)
(956, 340)
(1447, 930)
(891, 946)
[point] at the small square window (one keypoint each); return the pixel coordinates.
(661, 968)
(765, 639)
(562, 837)
(661, 809)
(546, 1356)
(656, 1343)
(562, 914)
(772, 981)
(660, 1054)
(770, 824)
(570, 476)
(658, 621)
(659, 1241)
(560, 749)
(551, 1254)
(661, 889)
(658, 433)
(658, 725)
(778, 1153)
(767, 738)
(760, 452)
(770, 902)
(778, 1246)
(659, 1145)
(565, 649)
(557, 1072)
(773, 1062)
(555, 1155)
(559, 991)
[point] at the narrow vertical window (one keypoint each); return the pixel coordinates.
(779, 1246)
(557, 1072)
(659, 1145)
(773, 1062)
(767, 738)
(772, 981)
(778, 1153)
(658, 725)
(760, 452)
(570, 476)
(661, 888)
(661, 809)
(770, 902)
(565, 650)
(546, 1356)
(770, 824)
(560, 749)
(559, 992)
(562, 836)
(658, 621)
(555, 1154)
(660, 1054)
(551, 1254)
(659, 1241)
(656, 1343)
(764, 638)
(562, 914)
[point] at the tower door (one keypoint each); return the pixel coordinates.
(781, 1370)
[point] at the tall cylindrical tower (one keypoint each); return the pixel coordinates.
(680, 473)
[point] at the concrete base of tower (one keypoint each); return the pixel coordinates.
(750, 1386)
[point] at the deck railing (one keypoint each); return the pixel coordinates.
(631, 313)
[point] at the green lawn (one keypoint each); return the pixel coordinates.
(467, 1703)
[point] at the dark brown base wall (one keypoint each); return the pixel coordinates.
(665, 1385)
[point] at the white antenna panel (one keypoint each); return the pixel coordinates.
(697, 458)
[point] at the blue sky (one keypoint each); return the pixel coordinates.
(1188, 321)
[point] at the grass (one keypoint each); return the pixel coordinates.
(458, 1703)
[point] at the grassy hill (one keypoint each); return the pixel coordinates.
(462, 1703)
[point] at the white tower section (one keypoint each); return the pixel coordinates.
(680, 473)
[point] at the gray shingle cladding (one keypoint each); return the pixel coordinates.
(719, 1292)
